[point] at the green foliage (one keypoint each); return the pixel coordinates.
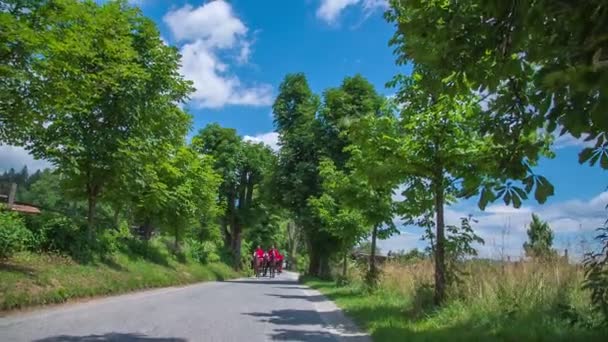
(204, 252)
(61, 234)
(245, 169)
(296, 179)
(542, 64)
(14, 236)
(459, 247)
(93, 98)
(596, 274)
(540, 239)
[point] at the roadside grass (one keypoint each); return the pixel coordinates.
(29, 279)
(530, 302)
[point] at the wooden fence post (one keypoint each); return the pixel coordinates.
(12, 194)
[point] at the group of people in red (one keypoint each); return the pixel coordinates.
(270, 258)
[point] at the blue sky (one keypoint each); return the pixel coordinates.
(237, 53)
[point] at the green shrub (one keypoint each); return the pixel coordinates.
(14, 236)
(204, 252)
(110, 240)
(61, 234)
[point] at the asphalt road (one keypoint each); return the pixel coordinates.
(241, 310)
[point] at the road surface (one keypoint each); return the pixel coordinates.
(241, 310)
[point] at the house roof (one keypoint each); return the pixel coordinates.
(25, 208)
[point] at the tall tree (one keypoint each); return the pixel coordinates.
(539, 62)
(297, 175)
(243, 167)
(364, 207)
(192, 186)
(22, 37)
(106, 77)
(540, 239)
(437, 150)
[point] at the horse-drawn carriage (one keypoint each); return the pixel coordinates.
(269, 263)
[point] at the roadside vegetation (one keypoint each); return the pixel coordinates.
(491, 86)
(31, 279)
(523, 301)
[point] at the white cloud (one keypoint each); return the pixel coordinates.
(17, 157)
(567, 140)
(271, 139)
(209, 33)
(330, 10)
(504, 228)
(214, 23)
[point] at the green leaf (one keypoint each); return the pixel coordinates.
(585, 154)
(486, 197)
(544, 189)
(516, 200)
(604, 160)
(529, 183)
(507, 197)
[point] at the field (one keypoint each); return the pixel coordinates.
(29, 279)
(510, 302)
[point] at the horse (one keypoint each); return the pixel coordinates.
(270, 264)
(257, 265)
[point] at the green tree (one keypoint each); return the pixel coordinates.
(107, 78)
(191, 187)
(540, 239)
(244, 167)
(22, 37)
(297, 176)
(538, 62)
(438, 152)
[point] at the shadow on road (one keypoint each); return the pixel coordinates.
(110, 337)
(318, 329)
(263, 281)
(317, 298)
(302, 335)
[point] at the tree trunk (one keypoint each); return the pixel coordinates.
(372, 272)
(440, 244)
(344, 266)
(293, 244)
(226, 232)
(235, 246)
(147, 229)
(176, 239)
(116, 217)
(324, 270)
(314, 259)
(91, 215)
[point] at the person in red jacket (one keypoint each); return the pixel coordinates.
(259, 252)
(279, 262)
(257, 260)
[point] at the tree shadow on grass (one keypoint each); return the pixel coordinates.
(138, 249)
(111, 263)
(110, 337)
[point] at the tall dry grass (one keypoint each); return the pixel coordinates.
(527, 287)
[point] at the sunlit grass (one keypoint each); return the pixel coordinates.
(511, 302)
(36, 279)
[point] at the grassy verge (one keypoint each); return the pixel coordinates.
(36, 279)
(511, 305)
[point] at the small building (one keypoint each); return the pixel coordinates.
(20, 207)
